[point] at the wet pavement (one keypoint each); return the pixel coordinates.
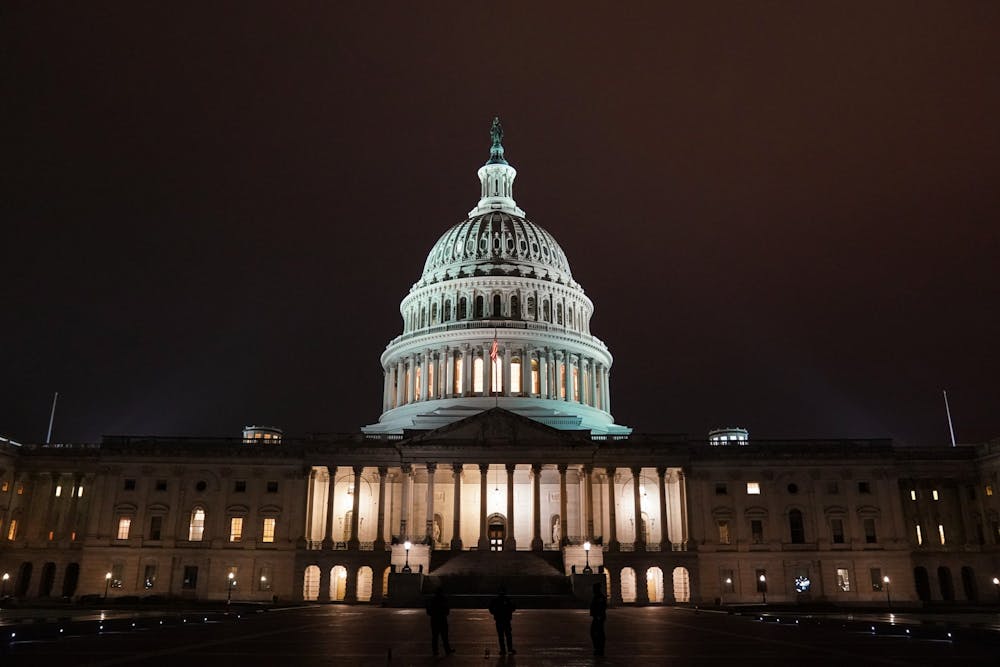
(354, 635)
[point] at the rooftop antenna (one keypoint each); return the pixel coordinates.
(52, 418)
(951, 428)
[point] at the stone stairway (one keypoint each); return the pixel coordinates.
(472, 578)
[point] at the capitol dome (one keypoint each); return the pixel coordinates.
(496, 320)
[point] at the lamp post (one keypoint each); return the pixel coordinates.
(586, 551)
(728, 582)
(229, 588)
(888, 597)
(407, 545)
(107, 582)
(996, 585)
(763, 588)
(6, 578)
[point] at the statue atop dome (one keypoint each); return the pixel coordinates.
(496, 135)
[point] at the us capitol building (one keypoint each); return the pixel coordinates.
(496, 459)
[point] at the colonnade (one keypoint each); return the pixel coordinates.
(597, 506)
(468, 370)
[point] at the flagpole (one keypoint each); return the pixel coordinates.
(52, 418)
(947, 410)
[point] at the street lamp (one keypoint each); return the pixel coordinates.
(107, 582)
(230, 587)
(996, 585)
(407, 545)
(6, 578)
(729, 582)
(763, 588)
(586, 551)
(888, 597)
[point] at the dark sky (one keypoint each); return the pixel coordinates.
(785, 215)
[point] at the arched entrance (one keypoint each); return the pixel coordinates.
(365, 584)
(946, 584)
(310, 583)
(23, 579)
(496, 530)
(922, 583)
(47, 581)
(969, 584)
(682, 585)
(654, 585)
(628, 584)
(70, 580)
(338, 583)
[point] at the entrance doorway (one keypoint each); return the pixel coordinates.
(496, 526)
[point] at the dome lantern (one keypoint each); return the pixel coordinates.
(496, 179)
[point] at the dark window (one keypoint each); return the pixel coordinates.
(497, 306)
(161, 485)
(201, 485)
(798, 531)
(515, 308)
(480, 307)
(757, 531)
(272, 487)
(190, 577)
(837, 527)
(870, 537)
(720, 489)
(832, 488)
(864, 487)
(240, 486)
(876, 574)
(463, 308)
(793, 488)
(130, 485)
(155, 527)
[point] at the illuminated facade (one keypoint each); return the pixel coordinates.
(499, 459)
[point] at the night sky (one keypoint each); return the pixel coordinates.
(785, 216)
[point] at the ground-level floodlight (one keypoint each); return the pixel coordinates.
(763, 588)
(586, 551)
(996, 585)
(407, 545)
(6, 578)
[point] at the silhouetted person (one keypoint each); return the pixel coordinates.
(598, 614)
(503, 609)
(438, 610)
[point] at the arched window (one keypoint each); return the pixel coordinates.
(447, 310)
(310, 583)
(559, 313)
(196, 527)
(654, 585)
(477, 375)
(628, 584)
(497, 306)
(570, 316)
(463, 308)
(515, 375)
(365, 584)
(532, 313)
(480, 307)
(796, 527)
(546, 311)
(338, 583)
(459, 376)
(515, 307)
(536, 387)
(423, 317)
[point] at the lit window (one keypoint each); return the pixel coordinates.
(723, 532)
(196, 528)
(72, 536)
(20, 491)
(920, 535)
(753, 488)
(941, 532)
(124, 525)
(934, 494)
(477, 375)
(79, 491)
(6, 487)
(268, 535)
(989, 490)
(52, 535)
(515, 376)
(58, 490)
(236, 529)
(496, 377)
(12, 530)
(458, 376)
(843, 579)
(913, 494)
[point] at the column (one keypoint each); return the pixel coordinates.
(456, 530)
(411, 383)
(543, 374)
(661, 473)
(536, 510)
(612, 513)
(510, 543)
(588, 472)
(487, 372)
(607, 390)
(685, 527)
(355, 542)
(579, 379)
(640, 536)
(593, 383)
(310, 504)
(331, 488)
(506, 371)
(441, 376)
(425, 380)
(404, 509)
(484, 541)
(429, 528)
(400, 383)
(467, 364)
(449, 373)
(380, 534)
(563, 523)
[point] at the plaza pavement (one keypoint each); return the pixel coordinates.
(356, 635)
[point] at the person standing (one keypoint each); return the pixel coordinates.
(598, 614)
(438, 610)
(503, 610)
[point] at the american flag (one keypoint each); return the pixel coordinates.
(493, 348)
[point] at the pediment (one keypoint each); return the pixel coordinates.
(497, 426)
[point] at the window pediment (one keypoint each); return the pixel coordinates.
(269, 510)
(755, 512)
